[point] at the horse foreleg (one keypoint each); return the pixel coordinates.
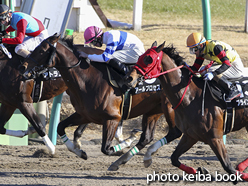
(74, 119)
(77, 134)
(148, 127)
(217, 145)
(5, 113)
(29, 112)
(173, 133)
(184, 145)
(108, 132)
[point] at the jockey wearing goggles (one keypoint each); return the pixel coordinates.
(24, 24)
(227, 63)
(121, 47)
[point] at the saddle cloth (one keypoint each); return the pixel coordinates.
(116, 80)
(230, 107)
(48, 74)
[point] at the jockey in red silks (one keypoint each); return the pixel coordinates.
(24, 24)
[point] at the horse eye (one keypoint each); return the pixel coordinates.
(148, 60)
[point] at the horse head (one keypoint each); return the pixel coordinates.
(148, 65)
(42, 55)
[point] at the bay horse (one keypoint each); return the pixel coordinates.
(16, 91)
(95, 99)
(186, 95)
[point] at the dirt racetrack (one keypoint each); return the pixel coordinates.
(31, 165)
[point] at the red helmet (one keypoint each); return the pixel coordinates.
(91, 33)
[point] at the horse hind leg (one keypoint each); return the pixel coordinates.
(118, 134)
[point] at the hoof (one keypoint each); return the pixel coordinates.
(80, 153)
(113, 167)
(147, 163)
(136, 133)
(203, 170)
(84, 155)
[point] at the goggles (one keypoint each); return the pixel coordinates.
(193, 50)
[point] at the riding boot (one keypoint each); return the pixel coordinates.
(117, 65)
(230, 89)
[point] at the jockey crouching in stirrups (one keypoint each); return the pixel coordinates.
(121, 47)
(227, 63)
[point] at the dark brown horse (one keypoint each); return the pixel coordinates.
(186, 97)
(16, 93)
(96, 100)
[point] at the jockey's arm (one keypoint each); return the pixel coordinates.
(221, 54)
(21, 30)
(197, 64)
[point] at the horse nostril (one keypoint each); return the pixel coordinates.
(22, 68)
(129, 79)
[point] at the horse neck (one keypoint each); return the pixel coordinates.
(174, 84)
(73, 77)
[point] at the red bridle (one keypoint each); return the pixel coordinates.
(153, 70)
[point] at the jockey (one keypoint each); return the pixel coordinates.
(121, 47)
(227, 63)
(24, 24)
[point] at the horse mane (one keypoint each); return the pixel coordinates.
(170, 50)
(67, 41)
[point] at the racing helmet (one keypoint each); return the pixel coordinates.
(91, 34)
(4, 10)
(194, 39)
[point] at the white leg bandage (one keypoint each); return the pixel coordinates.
(49, 144)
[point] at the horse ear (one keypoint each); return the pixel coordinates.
(55, 37)
(154, 44)
(160, 47)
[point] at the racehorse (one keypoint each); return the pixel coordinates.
(95, 99)
(16, 93)
(197, 122)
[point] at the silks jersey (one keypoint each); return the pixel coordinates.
(211, 53)
(24, 24)
(218, 52)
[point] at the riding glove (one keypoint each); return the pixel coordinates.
(208, 76)
(3, 33)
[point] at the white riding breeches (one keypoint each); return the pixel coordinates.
(127, 56)
(30, 43)
(235, 71)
